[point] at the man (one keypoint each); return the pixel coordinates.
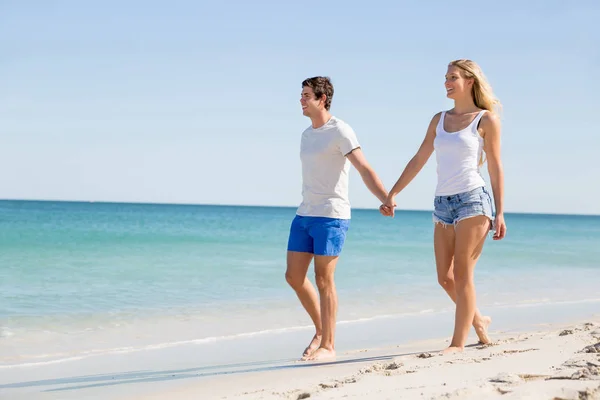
(318, 231)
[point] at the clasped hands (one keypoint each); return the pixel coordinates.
(387, 208)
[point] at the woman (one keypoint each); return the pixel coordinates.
(463, 213)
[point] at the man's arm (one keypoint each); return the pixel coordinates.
(369, 177)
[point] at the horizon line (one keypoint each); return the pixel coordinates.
(253, 205)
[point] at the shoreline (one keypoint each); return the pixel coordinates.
(378, 330)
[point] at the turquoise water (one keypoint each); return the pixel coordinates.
(145, 275)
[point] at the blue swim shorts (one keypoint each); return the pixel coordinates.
(449, 210)
(320, 236)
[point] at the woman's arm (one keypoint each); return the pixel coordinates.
(490, 124)
(414, 166)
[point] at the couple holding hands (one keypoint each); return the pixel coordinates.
(463, 211)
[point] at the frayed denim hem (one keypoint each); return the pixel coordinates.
(437, 220)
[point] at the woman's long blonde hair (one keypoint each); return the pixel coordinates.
(482, 92)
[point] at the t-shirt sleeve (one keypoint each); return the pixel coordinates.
(348, 140)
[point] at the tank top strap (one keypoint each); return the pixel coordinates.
(440, 124)
(442, 118)
(477, 119)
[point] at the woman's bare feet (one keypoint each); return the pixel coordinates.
(322, 354)
(481, 328)
(452, 350)
(314, 345)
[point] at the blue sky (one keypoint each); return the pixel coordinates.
(198, 102)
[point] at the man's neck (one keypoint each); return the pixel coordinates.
(320, 119)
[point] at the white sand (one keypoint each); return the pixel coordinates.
(536, 365)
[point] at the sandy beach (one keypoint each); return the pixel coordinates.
(554, 362)
(547, 361)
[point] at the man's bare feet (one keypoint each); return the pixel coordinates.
(452, 350)
(481, 328)
(314, 345)
(322, 354)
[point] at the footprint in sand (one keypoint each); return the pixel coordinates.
(566, 332)
(487, 345)
(594, 348)
(506, 378)
(587, 373)
(425, 355)
(393, 366)
(518, 351)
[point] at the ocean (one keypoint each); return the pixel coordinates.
(82, 279)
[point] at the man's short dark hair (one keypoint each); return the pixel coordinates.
(321, 85)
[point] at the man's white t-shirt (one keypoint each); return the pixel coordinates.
(325, 169)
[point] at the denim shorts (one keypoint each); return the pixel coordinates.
(320, 236)
(449, 210)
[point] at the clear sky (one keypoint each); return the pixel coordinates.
(198, 102)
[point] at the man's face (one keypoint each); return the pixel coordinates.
(310, 104)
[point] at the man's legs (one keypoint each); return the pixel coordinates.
(329, 237)
(297, 267)
(323, 238)
(324, 276)
(299, 255)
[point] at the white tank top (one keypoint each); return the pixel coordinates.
(458, 154)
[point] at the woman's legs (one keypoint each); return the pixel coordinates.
(444, 244)
(469, 237)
